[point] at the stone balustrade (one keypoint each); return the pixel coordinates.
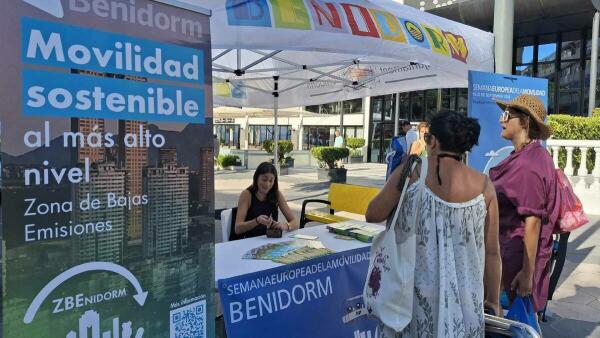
(585, 183)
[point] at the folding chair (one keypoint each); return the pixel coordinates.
(228, 224)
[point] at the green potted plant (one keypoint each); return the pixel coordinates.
(284, 147)
(228, 161)
(328, 157)
(355, 144)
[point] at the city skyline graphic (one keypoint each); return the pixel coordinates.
(90, 321)
(171, 259)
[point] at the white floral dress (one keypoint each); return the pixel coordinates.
(448, 295)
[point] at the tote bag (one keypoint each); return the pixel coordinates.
(388, 290)
(522, 311)
(571, 210)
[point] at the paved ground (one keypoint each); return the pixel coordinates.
(575, 310)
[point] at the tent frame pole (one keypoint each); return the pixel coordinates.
(275, 127)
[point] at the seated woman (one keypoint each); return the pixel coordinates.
(259, 204)
(458, 251)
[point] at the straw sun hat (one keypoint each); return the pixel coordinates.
(533, 107)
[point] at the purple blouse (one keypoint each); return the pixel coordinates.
(525, 184)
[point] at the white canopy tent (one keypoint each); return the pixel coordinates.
(233, 112)
(287, 53)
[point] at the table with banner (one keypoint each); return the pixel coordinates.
(320, 297)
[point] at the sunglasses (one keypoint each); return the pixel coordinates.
(507, 116)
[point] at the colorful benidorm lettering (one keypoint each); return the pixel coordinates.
(290, 14)
(416, 36)
(436, 40)
(364, 26)
(458, 47)
(349, 18)
(248, 13)
(389, 26)
(326, 17)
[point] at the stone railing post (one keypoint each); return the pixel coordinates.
(582, 172)
(555, 151)
(596, 172)
(569, 171)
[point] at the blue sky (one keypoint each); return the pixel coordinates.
(543, 51)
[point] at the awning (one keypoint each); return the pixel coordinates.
(314, 51)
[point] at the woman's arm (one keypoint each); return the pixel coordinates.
(524, 279)
(242, 226)
(493, 262)
(416, 148)
(292, 222)
(387, 199)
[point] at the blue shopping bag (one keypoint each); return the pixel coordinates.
(521, 310)
(394, 155)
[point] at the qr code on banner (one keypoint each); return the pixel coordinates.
(189, 321)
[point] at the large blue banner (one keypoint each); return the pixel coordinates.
(484, 89)
(321, 297)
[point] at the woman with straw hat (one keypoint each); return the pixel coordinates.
(528, 203)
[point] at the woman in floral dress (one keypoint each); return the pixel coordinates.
(458, 256)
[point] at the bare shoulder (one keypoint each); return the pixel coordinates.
(280, 197)
(480, 182)
(245, 196)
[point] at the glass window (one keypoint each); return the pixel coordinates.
(569, 83)
(323, 136)
(449, 98)
(388, 133)
(376, 108)
(462, 100)
(375, 142)
(569, 76)
(524, 70)
(403, 113)
(353, 132)
(349, 132)
(417, 105)
(571, 46)
(327, 108)
(330, 108)
(316, 136)
(382, 107)
(568, 102)
(229, 135)
(312, 109)
(548, 71)
(524, 53)
(388, 107)
(360, 132)
(353, 106)
(547, 48)
(258, 134)
(430, 103)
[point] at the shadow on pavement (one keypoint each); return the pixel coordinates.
(310, 187)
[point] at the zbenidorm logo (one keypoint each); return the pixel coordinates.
(147, 15)
(53, 7)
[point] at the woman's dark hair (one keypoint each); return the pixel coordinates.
(265, 168)
(456, 132)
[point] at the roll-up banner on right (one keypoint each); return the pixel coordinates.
(484, 89)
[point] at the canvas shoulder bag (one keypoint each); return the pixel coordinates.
(388, 290)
